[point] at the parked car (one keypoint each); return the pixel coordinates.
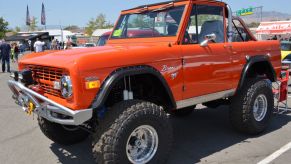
(151, 67)
(103, 38)
(89, 45)
(285, 49)
(86, 45)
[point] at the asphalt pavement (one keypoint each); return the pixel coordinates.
(204, 137)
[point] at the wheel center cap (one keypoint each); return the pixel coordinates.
(138, 143)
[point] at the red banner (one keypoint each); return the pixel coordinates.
(280, 27)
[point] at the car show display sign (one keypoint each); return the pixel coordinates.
(278, 27)
(245, 12)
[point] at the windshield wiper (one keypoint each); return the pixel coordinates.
(167, 6)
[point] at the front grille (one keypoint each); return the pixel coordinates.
(45, 77)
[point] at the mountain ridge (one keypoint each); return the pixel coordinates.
(267, 16)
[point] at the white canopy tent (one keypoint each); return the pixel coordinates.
(61, 35)
(99, 32)
(266, 30)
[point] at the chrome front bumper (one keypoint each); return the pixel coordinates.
(47, 108)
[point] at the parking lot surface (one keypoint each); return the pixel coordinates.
(204, 137)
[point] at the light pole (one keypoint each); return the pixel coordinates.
(62, 34)
(261, 13)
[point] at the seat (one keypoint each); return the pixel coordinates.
(213, 26)
(280, 92)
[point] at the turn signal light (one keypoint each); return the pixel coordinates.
(93, 84)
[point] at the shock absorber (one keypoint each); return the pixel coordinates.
(127, 93)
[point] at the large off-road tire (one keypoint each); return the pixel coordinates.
(252, 107)
(183, 112)
(131, 127)
(64, 135)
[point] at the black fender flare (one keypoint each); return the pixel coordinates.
(118, 74)
(250, 62)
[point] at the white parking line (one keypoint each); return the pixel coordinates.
(276, 154)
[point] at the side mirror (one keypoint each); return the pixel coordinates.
(209, 37)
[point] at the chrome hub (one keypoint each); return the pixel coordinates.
(260, 107)
(142, 144)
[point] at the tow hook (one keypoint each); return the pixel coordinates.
(27, 106)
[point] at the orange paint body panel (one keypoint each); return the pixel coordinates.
(206, 70)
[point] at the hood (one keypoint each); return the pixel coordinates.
(68, 58)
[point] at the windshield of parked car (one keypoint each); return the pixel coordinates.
(286, 46)
(156, 23)
(89, 45)
(102, 40)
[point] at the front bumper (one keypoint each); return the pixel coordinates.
(47, 108)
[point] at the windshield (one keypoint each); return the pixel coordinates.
(286, 46)
(157, 23)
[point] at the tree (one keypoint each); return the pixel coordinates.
(91, 27)
(16, 30)
(253, 25)
(140, 22)
(33, 24)
(3, 27)
(109, 25)
(98, 23)
(72, 27)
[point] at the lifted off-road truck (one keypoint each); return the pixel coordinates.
(161, 60)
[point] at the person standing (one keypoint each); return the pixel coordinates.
(12, 52)
(54, 44)
(22, 48)
(57, 44)
(38, 45)
(0, 50)
(68, 45)
(16, 51)
(5, 54)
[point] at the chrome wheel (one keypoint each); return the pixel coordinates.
(260, 107)
(142, 144)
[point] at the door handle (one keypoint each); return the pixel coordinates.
(228, 46)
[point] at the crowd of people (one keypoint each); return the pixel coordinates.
(8, 52)
(280, 38)
(56, 45)
(40, 46)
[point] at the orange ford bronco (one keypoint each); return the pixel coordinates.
(160, 60)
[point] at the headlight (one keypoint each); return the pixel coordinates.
(66, 86)
(25, 76)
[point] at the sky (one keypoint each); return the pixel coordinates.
(76, 12)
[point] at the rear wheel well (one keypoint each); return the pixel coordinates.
(146, 87)
(261, 69)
